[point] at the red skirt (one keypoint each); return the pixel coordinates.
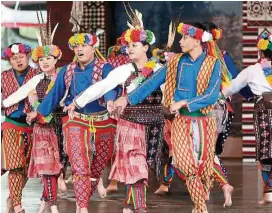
(45, 159)
(130, 163)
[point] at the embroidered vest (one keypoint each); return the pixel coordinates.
(96, 76)
(203, 79)
(11, 85)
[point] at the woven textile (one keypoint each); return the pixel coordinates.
(94, 17)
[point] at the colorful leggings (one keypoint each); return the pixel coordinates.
(89, 154)
(267, 178)
(136, 195)
(49, 189)
(16, 181)
(193, 153)
(219, 175)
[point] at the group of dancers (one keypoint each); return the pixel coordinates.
(124, 110)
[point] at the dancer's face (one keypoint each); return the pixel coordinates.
(84, 53)
(188, 43)
(47, 64)
(136, 50)
(19, 62)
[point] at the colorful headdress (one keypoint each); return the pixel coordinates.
(136, 31)
(264, 41)
(217, 33)
(199, 34)
(14, 49)
(84, 36)
(45, 39)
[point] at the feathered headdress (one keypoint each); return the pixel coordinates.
(136, 31)
(45, 39)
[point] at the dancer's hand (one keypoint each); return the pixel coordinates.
(70, 109)
(31, 116)
(174, 107)
(120, 104)
(110, 106)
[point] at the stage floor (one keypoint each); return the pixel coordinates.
(244, 177)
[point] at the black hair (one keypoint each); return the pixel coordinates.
(198, 25)
(13, 44)
(267, 53)
(149, 52)
(210, 25)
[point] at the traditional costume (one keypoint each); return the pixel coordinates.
(89, 135)
(16, 133)
(139, 129)
(259, 78)
(194, 131)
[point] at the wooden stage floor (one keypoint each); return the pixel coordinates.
(244, 177)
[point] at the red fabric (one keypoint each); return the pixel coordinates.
(130, 163)
(9, 85)
(45, 158)
(118, 60)
(84, 163)
(50, 189)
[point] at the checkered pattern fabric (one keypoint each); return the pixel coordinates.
(170, 82)
(203, 80)
(9, 85)
(94, 18)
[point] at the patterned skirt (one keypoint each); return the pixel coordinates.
(263, 131)
(45, 159)
(150, 116)
(130, 163)
(16, 145)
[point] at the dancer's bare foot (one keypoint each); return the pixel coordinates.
(69, 180)
(228, 190)
(101, 189)
(162, 190)
(43, 207)
(127, 210)
(77, 208)
(267, 198)
(9, 208)
(54, 209)
(112, 188)
(84, 210)
(19, 209)
(62, 186)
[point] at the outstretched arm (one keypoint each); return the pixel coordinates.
(117, 76)
(23, 91)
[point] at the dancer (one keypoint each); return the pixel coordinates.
(194, 129)
(259, 78)
(16, 133)
(89, 133)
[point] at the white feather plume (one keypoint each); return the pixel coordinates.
(99, 31)
(53, 33)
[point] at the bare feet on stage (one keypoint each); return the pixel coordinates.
(228, 190)
(162, 190)
(9, 208)
(127, 210)
(62, 186)
(267, 199)
(77, 209)
(43, 207)
(112, 188)
(54, 209)
(69, 180)
(101, 189)
(19, 209)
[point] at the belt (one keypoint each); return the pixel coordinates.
(92, 118)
